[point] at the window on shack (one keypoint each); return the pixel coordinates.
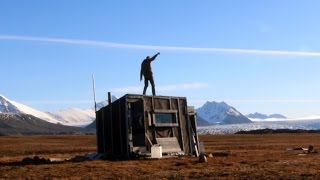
(165, 118)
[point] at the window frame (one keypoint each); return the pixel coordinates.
(160, 111)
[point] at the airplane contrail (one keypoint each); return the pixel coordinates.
(106, 44)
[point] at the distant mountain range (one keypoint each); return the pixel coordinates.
(16, 118)
(257, 115)
(69, 117)
(220, 113)
(213, 113)
(25, 124)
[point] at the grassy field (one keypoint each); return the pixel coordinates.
(249, 157)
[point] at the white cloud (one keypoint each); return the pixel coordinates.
(125, 90)
(106, 44)
(178, 87)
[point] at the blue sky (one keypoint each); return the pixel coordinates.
(255, 55)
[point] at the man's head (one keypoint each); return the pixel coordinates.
(148, 57)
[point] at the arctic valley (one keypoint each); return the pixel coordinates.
(213, 118)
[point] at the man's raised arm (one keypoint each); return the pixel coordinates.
(154, 57)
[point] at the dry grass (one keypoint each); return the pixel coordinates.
(250, 157)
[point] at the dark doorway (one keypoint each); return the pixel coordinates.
(138, 129)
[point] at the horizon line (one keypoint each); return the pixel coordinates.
(107, 44)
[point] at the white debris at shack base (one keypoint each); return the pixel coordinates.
(156, 152)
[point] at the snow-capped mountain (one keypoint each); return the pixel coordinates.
(9, 106)
(257, 115)
(221, 113)
(105, 103)
(79, 117)
(70, 117)
(6, 106)
(25, 124)
(278, 116)
(74, 116)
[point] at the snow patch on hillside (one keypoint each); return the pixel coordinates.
(215, 112)
(20, 108)
(69, 117)
(74, 116)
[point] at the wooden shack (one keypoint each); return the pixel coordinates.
(132, 125)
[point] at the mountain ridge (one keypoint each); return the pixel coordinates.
(257, 115)
(70, 117)
(21, 108)
(25, 124)
(221, 113)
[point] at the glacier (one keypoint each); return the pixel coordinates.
(313, 124)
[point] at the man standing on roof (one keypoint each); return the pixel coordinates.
(146, 71)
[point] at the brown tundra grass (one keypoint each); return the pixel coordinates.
(248, 157)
